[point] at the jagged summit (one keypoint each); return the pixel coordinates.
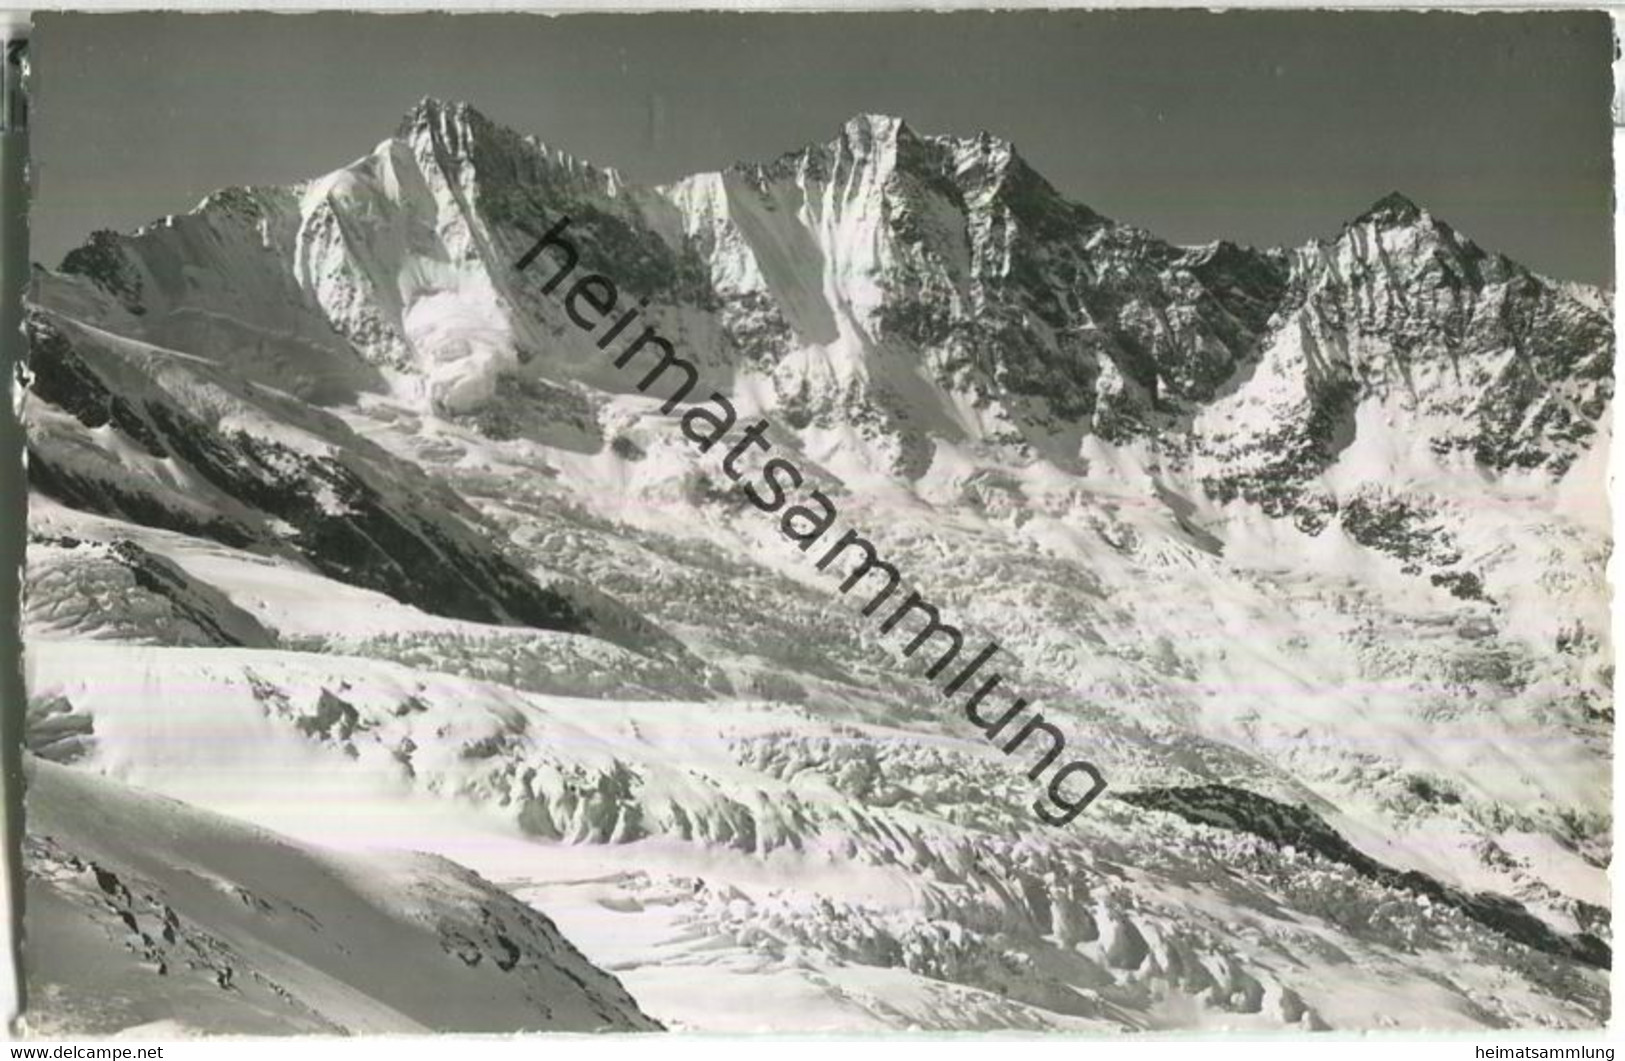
(865, 136)
(417, 522)
(431, 110)
(457, 132)
(951, 243)
(888, 139)
(1395, 208)
(875, 126)
(451, 130)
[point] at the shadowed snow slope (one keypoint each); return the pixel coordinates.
(144, 911)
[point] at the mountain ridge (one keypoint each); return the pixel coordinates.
(1019, 287)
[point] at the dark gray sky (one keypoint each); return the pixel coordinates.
(1265, 127)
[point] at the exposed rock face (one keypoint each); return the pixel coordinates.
(885, 279)
(122, 591)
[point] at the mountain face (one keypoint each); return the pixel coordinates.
(1306, 546)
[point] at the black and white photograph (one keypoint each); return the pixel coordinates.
(1083, 522)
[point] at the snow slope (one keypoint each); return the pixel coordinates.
(147, 913)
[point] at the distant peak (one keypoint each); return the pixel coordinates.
(883, 123)
(1392, 209)
(428, 107)
(866, 129)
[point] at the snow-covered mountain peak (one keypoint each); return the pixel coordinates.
(1395, 208)
(436, 116)
(1411, 239)
(1013, 300)
(456, 132)
(883, 151)
(429, 109)
(450, 133)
